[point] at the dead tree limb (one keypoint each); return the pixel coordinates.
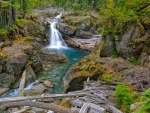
(23, 110)
(53, 107)
(21, 98)
(22, 84)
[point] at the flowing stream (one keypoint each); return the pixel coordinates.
(55, 37)
(56, 73)
(57, 44)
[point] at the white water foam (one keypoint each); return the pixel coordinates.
(55, 37)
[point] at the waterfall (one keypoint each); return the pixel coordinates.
(55, 37)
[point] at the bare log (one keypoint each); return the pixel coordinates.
(113, 109)
(21, 98)
(22, 84)
(53, 107)
(23, 110)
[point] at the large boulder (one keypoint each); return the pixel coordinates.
(51, 56)
(6, 80)
(66, 29)
(85, 44)
(16, 63)
(83, 34)
(81, 22)
(36, 62)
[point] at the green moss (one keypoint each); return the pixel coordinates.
(145, 99)
(107, 78)
(3, 32)
(84, 67)
(28, 38)
(133, 41)
(72, 27)
(133, 60)
(1, 53)
(124, 96)
(20, 22)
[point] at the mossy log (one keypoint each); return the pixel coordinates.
(53, 107)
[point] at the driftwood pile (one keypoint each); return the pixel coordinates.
(95, 100)
(92, 99)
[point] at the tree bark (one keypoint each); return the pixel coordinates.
(10, 16)
(53, 107)
(22, 84)
(14, 99)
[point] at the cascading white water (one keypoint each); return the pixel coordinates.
(55, 37)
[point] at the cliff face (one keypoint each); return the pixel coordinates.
(135, 42)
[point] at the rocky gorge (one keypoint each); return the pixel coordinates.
(23, 52)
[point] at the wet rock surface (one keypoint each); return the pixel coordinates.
(34, 90)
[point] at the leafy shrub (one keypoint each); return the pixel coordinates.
(20, 22)
(124, 97)
(84, 67)
(3, 32)
(145, 99)
(133, 60)
(107, 78)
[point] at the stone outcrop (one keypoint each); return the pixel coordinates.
(50, 56)
(93, 66)
(135, 42)
(66, 29)
(16, 64)
(7, 80)
(85, 44)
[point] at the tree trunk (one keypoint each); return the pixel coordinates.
(10, 16)
(53, 107)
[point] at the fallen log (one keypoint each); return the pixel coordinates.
(53, 107)
(23, 110)
(21, 98)
(22, 84)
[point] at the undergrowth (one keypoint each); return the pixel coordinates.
(124, 96)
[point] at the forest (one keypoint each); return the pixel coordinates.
(120, 58)
(112, 12)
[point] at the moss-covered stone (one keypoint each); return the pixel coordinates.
(3, 32)
(21, 22)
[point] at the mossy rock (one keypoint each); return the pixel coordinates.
(21, 22)
(34, 16)
(3, 32)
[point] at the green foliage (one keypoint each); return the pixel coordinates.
(1, 53)
(133, 41)
(145, 99)
(107, 78)
(20, 22)
(133, 60)
(4, 4)
(3, 31)
(124, 97)
(84, 67)
(114, 53)
(115, 17)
